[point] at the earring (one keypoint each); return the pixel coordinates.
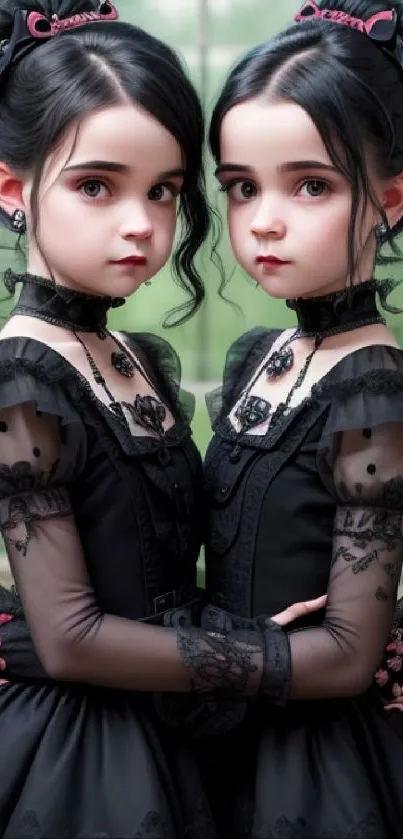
(381, 231)
(19, 222)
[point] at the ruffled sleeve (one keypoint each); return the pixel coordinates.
(360, 461)
(42, 451)
(163, 365)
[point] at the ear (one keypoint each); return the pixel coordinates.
(11, 190)
(392, 199)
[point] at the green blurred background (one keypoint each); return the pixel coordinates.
(209, 35)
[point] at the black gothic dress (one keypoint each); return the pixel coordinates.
(315, 505)
(81, 761)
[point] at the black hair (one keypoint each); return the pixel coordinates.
(95, 66)
(349, 87)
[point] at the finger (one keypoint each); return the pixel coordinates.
(299, 610)
(394, 706)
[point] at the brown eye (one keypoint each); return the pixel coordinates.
(240, 190)
(163, 193)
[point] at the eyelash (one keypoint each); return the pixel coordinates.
(315, 181)
(226, 187)
(99, 181)
(173, 189)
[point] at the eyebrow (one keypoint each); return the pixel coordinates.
(292, 166)
(109, 166)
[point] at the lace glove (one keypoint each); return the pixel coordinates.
(236, 658)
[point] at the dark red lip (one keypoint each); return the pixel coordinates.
(131, 260)
(270, 260)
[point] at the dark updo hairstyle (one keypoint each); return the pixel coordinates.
(349, 87)
(96, 66)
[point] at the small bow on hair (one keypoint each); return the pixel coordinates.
(31, 28)
(382, 27)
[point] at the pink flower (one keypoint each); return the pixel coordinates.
(395, 663)
(381, 678)
(396, 690)
(5, 618)
(391, 648)
(399, 648)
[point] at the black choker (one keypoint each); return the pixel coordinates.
(60, 306)
(341, 311)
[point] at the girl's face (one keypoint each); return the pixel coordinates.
(108, 193)
(288, 207)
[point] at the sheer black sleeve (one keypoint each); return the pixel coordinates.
(364, 470)
(40, 454)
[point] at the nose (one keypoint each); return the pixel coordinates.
(137, 223)
(267, 221)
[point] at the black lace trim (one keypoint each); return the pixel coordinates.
(285, 828)
(20, 513)
(59, 371)
(231, 662)
(376, 382)
(152, 827)
(371, 535)
(245, 357)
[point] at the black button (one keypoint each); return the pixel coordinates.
(371, 469)
(165, 601)
(367, 432)
(3, 426)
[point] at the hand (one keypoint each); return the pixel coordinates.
(395, 704)
(300, 610)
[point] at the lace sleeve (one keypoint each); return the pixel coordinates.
(340, 657)
(74, 639)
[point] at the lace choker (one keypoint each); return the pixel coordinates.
(60, 306)
(341, 311)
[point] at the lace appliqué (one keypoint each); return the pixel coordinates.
(216, 661)
(152, 827)
(368, 828)
(20, 512)
(370, 535)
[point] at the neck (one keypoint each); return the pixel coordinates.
(338, 312)
(59, 305)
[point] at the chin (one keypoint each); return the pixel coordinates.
(277, 288)
(125, 285)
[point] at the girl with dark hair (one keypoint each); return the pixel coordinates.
(101, 143)
(304, 473)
